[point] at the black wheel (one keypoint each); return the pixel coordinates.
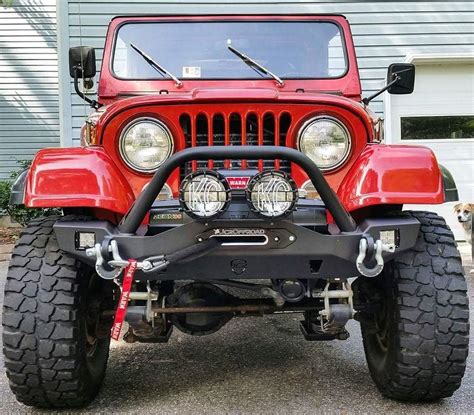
(55, 344)
(416, 343)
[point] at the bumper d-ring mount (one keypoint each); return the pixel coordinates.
(370, 251)
(112, 269)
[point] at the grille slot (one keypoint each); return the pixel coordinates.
(234, 129)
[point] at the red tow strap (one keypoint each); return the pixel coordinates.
(123, 302)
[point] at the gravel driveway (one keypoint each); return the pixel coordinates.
(254, 365)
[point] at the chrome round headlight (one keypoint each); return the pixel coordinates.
(326, 141)
(145, 144)
(204, 194)
(272, 194)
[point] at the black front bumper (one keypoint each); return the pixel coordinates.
(290, 250)
(300, 246)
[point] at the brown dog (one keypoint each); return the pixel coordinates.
(464, 214)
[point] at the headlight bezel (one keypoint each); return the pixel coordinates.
(338, 122)
(124, 133)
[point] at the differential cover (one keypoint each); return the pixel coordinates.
(199, 294)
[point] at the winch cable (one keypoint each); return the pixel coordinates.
(187, 254)
(110, 266)
(192, 252)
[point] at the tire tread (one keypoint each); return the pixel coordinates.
(40, 322)
(433, 316)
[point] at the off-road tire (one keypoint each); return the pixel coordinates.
(418, 348)
(47, 358)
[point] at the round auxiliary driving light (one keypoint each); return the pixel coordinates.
(272, 194)
(204, 194)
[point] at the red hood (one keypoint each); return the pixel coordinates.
(258, 95)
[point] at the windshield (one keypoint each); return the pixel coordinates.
(199, 50)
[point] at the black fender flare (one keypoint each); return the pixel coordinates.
(449, 185)
(17, 195)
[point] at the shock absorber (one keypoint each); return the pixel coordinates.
(334, 316)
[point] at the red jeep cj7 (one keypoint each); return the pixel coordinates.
(231, 167)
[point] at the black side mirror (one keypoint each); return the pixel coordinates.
(82, 62)
(82, 66)
(401, 76)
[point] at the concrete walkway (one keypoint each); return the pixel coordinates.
(467, 260)
(5, 252)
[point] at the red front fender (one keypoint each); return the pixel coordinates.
(398, 174)
(77, 177)
(87, 177)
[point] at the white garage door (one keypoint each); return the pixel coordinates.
(440, 115)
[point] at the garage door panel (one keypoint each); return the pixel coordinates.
(441, 90)
(463, 174)
(440, 106)
(462, 151)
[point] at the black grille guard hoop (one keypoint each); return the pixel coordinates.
(137, 212)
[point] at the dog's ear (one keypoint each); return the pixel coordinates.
(457, 206)
(471, 207)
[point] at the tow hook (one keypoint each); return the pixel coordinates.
(371, 251)
(110, 270)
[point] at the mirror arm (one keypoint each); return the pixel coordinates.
(92, 102)
(393, 82)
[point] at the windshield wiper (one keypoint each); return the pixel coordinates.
(155, 65)
(253, 64)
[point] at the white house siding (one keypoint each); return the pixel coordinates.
(29, 111)
(384, 32)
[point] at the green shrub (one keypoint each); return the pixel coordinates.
(20, 214)
(5, 189)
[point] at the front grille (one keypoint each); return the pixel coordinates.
(235, 129)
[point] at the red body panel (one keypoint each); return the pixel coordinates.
(392, 175)
(77, 177)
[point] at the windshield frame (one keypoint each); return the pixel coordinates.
(230, 19)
